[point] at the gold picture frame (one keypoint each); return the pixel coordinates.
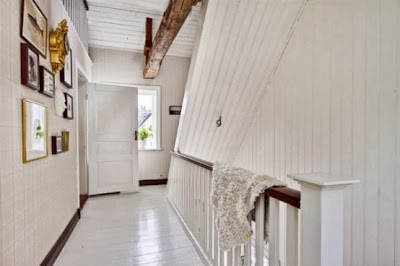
(35, 120)
(65, 140)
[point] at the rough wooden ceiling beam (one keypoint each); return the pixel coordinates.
(173, 19)
(149, 38)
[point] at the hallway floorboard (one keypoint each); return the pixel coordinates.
(129, 229)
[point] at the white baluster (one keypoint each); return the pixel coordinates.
(292, 233)
(260, 211)
(221, 257)
(237, 256)
(215, 237)
(273, 232)
(247, 248)
(228, 255)
(247, 254)
(210, 220)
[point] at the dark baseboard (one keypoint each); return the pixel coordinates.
(82, 200)
(106, 194)
(153, 182)
(60, 243)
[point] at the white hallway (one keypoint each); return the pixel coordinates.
(129, 229)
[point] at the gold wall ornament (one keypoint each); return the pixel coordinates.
(59, 46)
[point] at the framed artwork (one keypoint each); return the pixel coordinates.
(47, 82)
(65, 140)
(66, 72)
(34, 26)
(56, 145)
(29, 67)
(34, 130)
(69, 111)
(175, 110)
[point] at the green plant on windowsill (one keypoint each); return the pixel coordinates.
(145, 133)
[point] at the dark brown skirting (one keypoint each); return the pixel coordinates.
(60, 243)
(153, 182)
(106, 194)
(82, 200)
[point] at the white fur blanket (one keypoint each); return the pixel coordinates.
(234, 191)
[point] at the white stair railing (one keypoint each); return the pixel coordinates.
(77, 11)
(189, 187)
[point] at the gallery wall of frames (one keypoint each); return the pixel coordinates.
(38, 130)
(34, 31)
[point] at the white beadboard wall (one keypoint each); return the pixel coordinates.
(333, 106)
(241, 42)
(126, 68)
(37, 199)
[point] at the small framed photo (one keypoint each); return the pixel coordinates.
(175, 110)
(65, 140)
(66, 72)
(47, 82)
(29, 67)
(34, 130)
(69, 111)
(34, 26)
(56, 145)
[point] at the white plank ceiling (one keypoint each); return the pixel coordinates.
(121, 25)
(240, 46)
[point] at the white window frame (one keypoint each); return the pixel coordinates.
(145, 89)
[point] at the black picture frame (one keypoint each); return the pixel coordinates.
(56, 145)
(66, 74)
(47, 82)
(34, 26)
(175, 110)
(30, 62)
(69, 110)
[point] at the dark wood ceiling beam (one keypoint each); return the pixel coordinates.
(173, 19)
(149, 38)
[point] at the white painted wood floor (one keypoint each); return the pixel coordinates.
(129, 229)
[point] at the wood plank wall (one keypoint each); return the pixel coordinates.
(333, 106)
(241, 43)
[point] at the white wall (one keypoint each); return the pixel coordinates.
(127, 68)
(333, 106)
(241, 43)
(39, 198)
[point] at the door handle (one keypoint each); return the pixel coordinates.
(136, 135)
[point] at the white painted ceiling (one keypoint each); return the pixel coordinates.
(121, 24)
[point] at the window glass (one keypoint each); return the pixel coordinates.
(148, 118)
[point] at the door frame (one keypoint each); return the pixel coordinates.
(79, 72)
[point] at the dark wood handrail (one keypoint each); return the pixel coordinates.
(284, 194)
(288, 195)
(196, 161)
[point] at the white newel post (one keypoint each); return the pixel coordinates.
(322, 205)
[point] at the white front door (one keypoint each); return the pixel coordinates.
(113, 151)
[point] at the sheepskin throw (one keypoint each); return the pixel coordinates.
(234, 191)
